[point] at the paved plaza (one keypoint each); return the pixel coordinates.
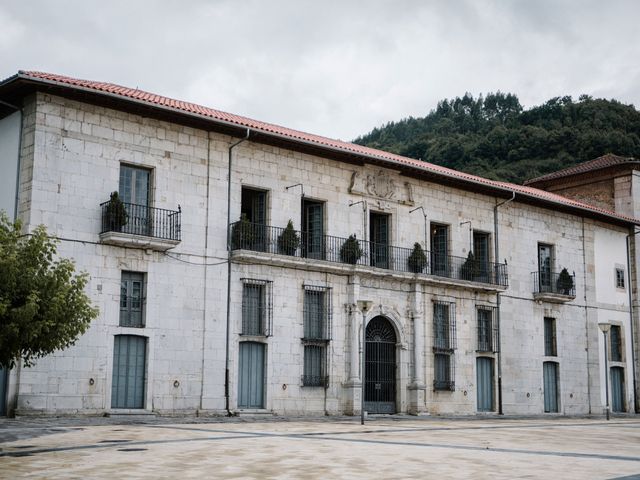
(386, 447)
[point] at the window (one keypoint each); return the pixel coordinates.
(550, 344)
(313, 229)
(254, 205)
(444, 343)
(443, 364)
(620, 278)
(545, 267)
(317, 334)
(481, 254)
(615, 336)
(487, 329)
(132, 299)
(440, 249)
(379, 237)
(256, 307)
(134, 191)
(252, 232)
(134, 185)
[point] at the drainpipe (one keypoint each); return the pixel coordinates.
(15, 217)
(226, 351)
(631, 322)
(497, 253)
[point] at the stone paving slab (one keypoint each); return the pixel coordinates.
(386, 447)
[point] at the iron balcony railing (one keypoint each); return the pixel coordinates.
(264, 238)
(141, 220)
(563, 283)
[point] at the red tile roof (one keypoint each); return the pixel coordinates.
(599, 163)
(136, 95)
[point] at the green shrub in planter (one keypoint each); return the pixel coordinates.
(242, 234)
(564, 282)
(350, 252)
(117, 216)
(417, 261)
(288, 240)
(470, 269)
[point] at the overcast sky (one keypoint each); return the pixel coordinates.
(335, 68)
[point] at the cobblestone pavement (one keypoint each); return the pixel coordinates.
(386, 447)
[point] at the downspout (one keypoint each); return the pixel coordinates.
(226, 351)
(631, 322)
(497, 253)
(14, 404)
(206, 256)
(586, 314)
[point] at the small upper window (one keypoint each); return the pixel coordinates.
(620, 278)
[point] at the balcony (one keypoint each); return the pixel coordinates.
(554, 287)
(140, 226)
(318, 252)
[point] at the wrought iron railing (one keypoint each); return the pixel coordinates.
(264, 238)
(562, 283)
(141, 220)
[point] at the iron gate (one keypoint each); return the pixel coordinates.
(380, 367)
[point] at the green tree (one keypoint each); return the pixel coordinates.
(43, 306)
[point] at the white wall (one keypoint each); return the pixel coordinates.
(9, 144)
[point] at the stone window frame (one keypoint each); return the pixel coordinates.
(315, 342)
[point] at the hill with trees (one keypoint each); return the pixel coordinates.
(495, 137)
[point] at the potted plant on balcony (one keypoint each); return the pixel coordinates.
(242, 234)
(470, 269)
(116, 212)
(350, 252)
(564, 283)
(288, 240)
(417, 261)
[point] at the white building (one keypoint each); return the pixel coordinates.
(278, 328)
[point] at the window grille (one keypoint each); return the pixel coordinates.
(315, 365)
(132, 299)
(444, 371)
(317, 313)
(550, 342)
(444, 326)
(487, 325)
(257, 307)
(317, 310)
(616, 343)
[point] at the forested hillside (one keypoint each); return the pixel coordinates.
(495, 137)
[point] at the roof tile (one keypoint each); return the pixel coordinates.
(140, 95)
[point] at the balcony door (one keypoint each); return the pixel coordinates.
(545, 260)
(440, 250)
(254, 209)
(481, 254)
(379, 238)
(313, 229)
(134, 192)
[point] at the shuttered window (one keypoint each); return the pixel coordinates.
(550, 343)
(132, 299)
(444, 344)
(256, 307)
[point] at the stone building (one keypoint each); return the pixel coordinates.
(496, 309)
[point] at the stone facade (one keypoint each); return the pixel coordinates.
(71, 158)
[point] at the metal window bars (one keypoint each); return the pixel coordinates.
(444, 326)
(245, 235)
(487, 328)
(257, 307)
(317, 320)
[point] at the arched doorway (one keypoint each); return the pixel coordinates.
(380, 367)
